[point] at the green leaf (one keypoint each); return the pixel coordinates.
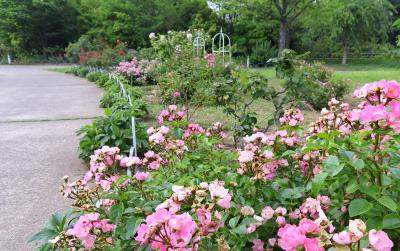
(292, 193)
(395, 172)
(391, 221)
(388, 202)
(45, 235)
(332, 166)
(353, 186)
(241, 229)
(107, 112)
(359, 206)
(358, 164)
(317, 183)
(370, 190)
(234, 221)
(116, 212)
(374, 223)
(132, 225)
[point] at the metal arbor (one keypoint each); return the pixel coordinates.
(199, 44)
(223, 45)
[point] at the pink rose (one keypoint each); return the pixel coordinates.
(373, 113)
(342, 238)
(88, 243)
(308, 226)
(142, 176)
(267, 213)
(258, 245)
(280, 220)
(380, 240)
(312, 245)
(291, 237)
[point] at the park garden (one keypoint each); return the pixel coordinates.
(300, 162)
(203, 148)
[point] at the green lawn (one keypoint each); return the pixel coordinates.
(61, 69)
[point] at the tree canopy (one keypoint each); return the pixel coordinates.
(256, 26)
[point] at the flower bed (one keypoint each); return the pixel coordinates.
(332, 185)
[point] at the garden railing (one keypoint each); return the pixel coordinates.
(115, 78)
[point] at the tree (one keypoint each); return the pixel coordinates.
(288, 12)
(131, 21)
(350, 23)
(33, 26)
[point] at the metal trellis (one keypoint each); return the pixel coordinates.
(224, 45)
(199, 45)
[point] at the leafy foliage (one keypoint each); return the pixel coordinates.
(114, 128)
(309, 82)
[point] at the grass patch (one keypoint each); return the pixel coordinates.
(60, 69)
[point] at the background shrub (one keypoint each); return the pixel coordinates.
(262, 52)
(309, 82)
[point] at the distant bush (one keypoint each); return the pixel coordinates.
(97, 52)
(262, 52)
(309, 82)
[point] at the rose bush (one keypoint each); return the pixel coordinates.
(332, 185)
(139, 72)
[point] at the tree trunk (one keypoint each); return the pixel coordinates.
(283, 34)
(345, 53)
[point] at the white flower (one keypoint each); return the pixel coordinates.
(55, 240)
(152, 35)
(357, 229)
(246, 210)
(324, 111)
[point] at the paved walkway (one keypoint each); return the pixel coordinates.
(39, 114)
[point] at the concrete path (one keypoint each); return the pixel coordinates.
(39, 114)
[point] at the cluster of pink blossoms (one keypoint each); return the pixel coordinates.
(257, 161)
(381, 106)
(292, 117)
(310, 162)
(138, 69)
(382, 103)
(291, 237)
(378, 240)
(193, 129)
(315, 230)
(157, 136)
(338, 117)
(150, 161)
(130, 69)
(216, 130)
(211, 59)
(312, 208)
(89, 227)
(100, 162)
(171, 114)
(165, 229)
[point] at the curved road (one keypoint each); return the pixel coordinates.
(40, 111)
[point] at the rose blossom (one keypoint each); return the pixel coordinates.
(380, 240)
(142, 176)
